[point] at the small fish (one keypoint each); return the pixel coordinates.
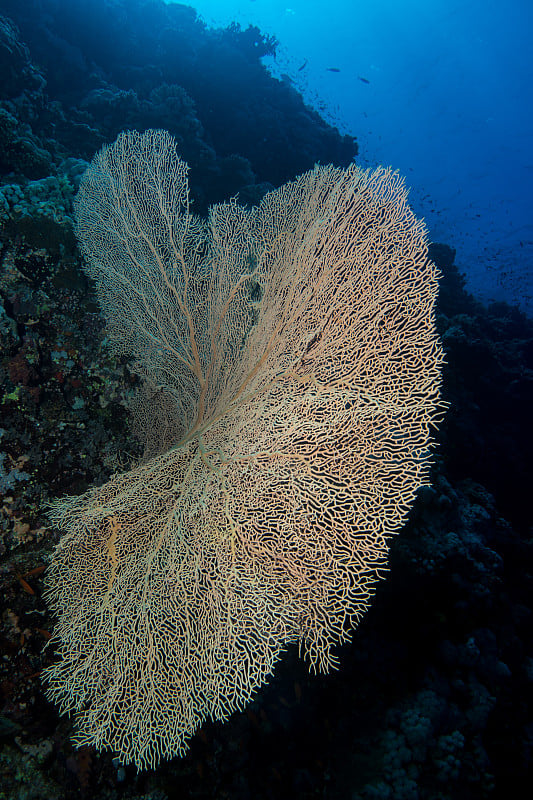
(365, 80)
(303, 66)
(332, 69)
(35, 570)
(25, 585)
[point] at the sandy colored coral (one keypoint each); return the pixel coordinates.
(291, 371)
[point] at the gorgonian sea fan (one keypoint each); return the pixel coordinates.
(291, 371)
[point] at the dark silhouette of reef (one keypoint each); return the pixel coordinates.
(487, 433)
(76, 74)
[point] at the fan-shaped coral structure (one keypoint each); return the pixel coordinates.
(291, 371)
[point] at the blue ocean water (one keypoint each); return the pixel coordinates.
(441, 91)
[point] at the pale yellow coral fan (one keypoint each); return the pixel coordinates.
(291, 374)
